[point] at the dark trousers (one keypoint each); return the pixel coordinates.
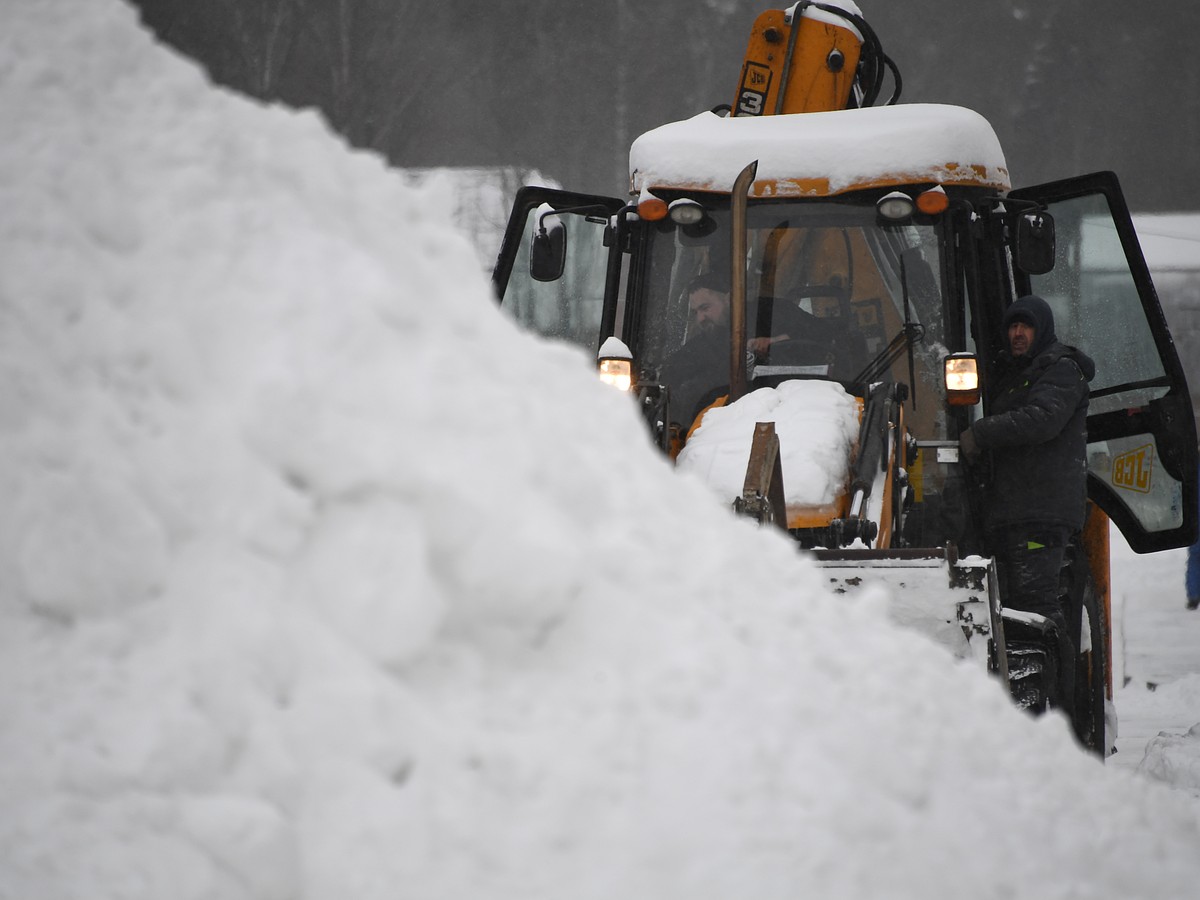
(1030, 561)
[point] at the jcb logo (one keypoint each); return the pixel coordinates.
(1133, 470)
(756, 83)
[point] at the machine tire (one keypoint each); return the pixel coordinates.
(1030, 674)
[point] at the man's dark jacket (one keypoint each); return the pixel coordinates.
(1036, 428)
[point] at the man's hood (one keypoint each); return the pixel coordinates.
(1086, 364)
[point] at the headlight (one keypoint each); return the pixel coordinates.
(685, 211)
(617, 372)
(616, 364)
(962, 379)
(895, 207)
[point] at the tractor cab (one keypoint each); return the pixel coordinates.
(878, 246)
(804, 294)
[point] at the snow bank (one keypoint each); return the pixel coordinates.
(319, 580)
(1173, 757)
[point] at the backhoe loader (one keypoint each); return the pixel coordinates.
(869, 250)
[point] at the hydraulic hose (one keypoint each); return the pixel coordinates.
(873, 61)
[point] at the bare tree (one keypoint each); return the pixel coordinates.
(264, 35)
(563, 86)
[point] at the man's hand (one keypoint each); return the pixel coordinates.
(967, 446)
(759, 346)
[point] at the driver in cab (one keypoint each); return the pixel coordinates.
(698, 372)
(708, 316)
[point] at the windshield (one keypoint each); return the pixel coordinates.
(1097, 307)
(828, 291)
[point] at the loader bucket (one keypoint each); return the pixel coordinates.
(953, 601)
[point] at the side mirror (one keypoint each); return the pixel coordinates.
(1033, 244)
(548, 253)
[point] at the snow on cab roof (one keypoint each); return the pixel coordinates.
(823, 153)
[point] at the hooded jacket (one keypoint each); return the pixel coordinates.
(1036, 429)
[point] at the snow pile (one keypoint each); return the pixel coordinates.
(1154, 640)
(1175, 759)
(817, 426)
(304, 594)
(1172, 757)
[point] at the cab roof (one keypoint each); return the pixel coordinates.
(823, 154)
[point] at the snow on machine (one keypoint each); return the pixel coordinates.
(869, 254)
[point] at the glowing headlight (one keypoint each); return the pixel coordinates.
(962, 379)
(616, 364)
(617, 372)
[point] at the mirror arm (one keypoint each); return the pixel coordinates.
(541, 219)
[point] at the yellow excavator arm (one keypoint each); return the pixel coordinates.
(812, 57)
(797, 63)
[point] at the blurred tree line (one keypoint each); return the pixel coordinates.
(563, 86)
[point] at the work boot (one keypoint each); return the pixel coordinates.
(1193, 602)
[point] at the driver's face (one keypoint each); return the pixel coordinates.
(1020, 338)
(708, 309)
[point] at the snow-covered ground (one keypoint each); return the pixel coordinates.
(1156, 667)
(318, 580)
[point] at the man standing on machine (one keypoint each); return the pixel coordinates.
(1036, 437)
